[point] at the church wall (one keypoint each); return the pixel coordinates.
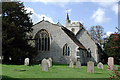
(87, 42)
(83, 56)
(58, 39)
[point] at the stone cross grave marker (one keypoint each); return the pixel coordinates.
(90, 67)
(110, 63)
(26, 61)
(78, 64)
(45, 65)
(71, 64)
(50, 62)
(100, 65)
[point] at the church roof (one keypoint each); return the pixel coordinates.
(73, 37)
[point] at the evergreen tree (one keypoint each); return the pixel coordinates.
(16, 24)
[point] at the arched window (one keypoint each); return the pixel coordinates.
(43, 40)
(66, 50)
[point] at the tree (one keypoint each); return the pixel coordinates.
(112, 47)
(16, 23)
(97, 33)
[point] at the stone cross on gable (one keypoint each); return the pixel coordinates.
(43, 18)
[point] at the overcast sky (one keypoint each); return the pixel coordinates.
(88, 12)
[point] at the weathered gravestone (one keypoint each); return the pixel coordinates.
(44, 65)
(110, 63)
(90, 67)
(39, 64)
(100, 65)
(50, 62)
(71, 64)
(26, 61)
(78, 64)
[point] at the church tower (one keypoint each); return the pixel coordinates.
(72, 26)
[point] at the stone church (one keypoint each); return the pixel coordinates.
(64, 43)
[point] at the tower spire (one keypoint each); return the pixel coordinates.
(67, 21)
(67, 15)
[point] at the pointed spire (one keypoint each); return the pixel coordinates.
(67, 15)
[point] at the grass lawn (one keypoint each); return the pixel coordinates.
(57, 71)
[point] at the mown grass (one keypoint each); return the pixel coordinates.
(57, 71)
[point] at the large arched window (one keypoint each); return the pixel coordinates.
(66, 50)
(43, 40)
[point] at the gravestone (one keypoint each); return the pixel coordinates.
(110, 63)
(90, 67)
(39, 64)
(50, 62)
(78, 64)
(100, 65)
(71, 64)
(0, 57)
(26, 61)
(44, 65)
